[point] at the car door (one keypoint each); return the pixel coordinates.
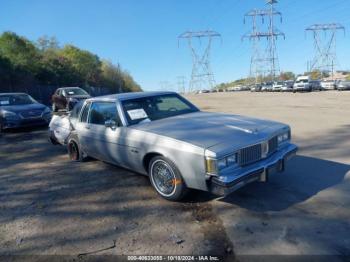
(104, 142)
(82, 128)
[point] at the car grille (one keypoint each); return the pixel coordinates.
(253, 153)
(31, 114)
(273, 144)
(249, 155)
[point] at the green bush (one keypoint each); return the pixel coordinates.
(46, 63)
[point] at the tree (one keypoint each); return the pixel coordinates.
(85, 64)
(111, 76)
(287, 76)
(21, 53)
(6, 72)
(57, 70)
(26, 64)
(44, 43)
(129, 83)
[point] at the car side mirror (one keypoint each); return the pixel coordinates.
(111, 124)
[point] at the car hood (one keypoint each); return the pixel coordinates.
(21, 108)
(213, 130)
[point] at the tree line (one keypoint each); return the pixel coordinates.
(284, 76)
(45, 62)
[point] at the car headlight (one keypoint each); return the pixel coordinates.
(9, 115)
(213, 166)
(285, 136)
(264, 149)
(74, 100)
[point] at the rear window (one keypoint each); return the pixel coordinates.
(74, 91)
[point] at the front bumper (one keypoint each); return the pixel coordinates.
(259, 171)
(301, 88)
(8, 124)
(343, 88)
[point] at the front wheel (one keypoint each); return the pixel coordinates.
(166, 179)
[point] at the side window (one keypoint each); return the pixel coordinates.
(85, 113)
(100, 112)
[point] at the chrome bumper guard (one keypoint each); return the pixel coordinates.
(260, 172)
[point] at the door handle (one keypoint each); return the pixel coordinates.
(87, 127)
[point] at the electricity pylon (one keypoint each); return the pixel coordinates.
(181, 84)
(325, 57)
(202, 76)
(264, 62)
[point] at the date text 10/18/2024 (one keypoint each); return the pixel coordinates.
(173, 258)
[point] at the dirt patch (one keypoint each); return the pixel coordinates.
(215, 237)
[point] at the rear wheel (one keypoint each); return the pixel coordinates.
(166, 179)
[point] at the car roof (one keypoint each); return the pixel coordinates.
(129, 95)
(11, 94)
(69, 87)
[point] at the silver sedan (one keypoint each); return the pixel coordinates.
(164, 136)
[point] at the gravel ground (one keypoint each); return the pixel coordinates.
(49, 205)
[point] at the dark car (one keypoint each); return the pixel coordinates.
(67, 97)
(20, 109)
(315, 85)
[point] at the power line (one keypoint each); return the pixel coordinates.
(309, 14)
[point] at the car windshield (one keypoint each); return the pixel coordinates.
(303, 81)
(16, 99)
(153, 108)
(75, 91)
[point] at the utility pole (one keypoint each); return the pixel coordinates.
(202, 76)
(264, 62)
(325, 57)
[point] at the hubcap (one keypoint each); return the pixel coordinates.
(73, 152)
(163, 177)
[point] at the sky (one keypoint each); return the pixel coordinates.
(141, 35)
